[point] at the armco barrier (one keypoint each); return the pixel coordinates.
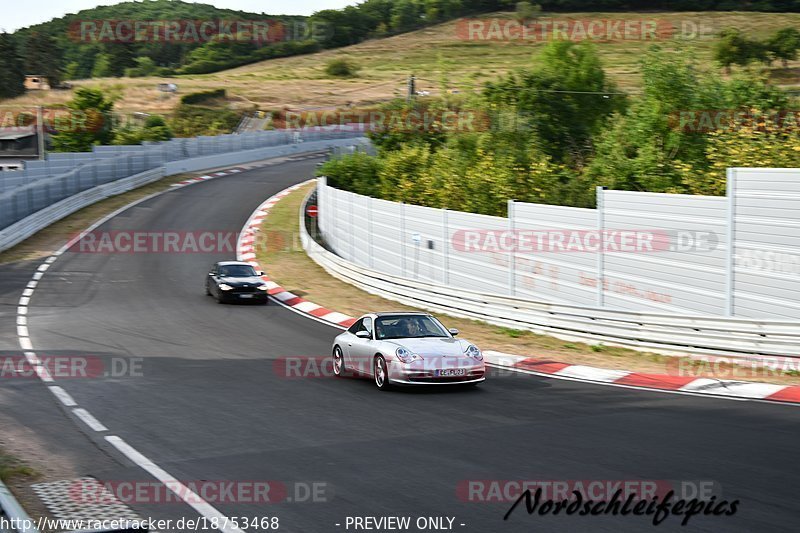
(43, 183)
(12, 513)
(26, 227)
(668, 333)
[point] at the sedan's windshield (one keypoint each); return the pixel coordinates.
(408, 326)
(237, 271)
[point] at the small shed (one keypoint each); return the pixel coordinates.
(35, 82)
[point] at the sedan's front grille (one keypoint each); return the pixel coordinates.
(240, 290)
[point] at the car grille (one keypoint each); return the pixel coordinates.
(243, 290)
(427, 378)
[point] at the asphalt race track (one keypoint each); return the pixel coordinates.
(212, 403)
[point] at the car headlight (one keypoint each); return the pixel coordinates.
(474, 352)
(405, 355)
(262, 287)
(225, 287)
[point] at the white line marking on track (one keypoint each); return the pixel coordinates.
(25, 343)
(89, 420)
(182, 491)
(63, 396)
(43, 373)
(22, 331)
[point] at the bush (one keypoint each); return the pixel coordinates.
(191, 121)
(341, 68)
(202, 97)
(154, 129)
(357, 172)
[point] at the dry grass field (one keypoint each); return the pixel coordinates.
(431, 54)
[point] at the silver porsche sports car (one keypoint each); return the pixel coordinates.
(406, 349)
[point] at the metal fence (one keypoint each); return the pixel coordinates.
(755, 340)
(735, 256)
(61, 175)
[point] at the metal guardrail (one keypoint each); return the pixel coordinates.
(11, 512)
(35, 222)
(661, 332)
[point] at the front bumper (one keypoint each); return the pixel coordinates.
(418, 374)
(244, 297)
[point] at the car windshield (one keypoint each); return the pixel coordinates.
(408, 326)
(237, 271)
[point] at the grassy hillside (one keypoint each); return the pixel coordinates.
(300, 82)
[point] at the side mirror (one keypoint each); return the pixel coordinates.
(259, 273)
(363, 334)
(210, 273)
(453, 331)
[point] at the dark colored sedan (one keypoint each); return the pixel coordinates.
(236, 281)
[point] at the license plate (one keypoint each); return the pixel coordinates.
(245, 296)
(445, 372)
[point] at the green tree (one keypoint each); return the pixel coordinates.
(527, 11)
(154, 129)
(12, 76)
(356, 172)
(92, 114)
(565, 100)
(72, 71)
(784, 44)
(102, 66)
(42, 57)
(761, 144)
(733, 48)
(667, 128)
(405, 15)
(145, 66)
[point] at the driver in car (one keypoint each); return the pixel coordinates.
(411, 328)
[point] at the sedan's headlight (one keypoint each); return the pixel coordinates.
(474, 352)
(405, 355)
(225, 287)
(262, 287)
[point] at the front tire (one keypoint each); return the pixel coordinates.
(381, 373)
(338, 362)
